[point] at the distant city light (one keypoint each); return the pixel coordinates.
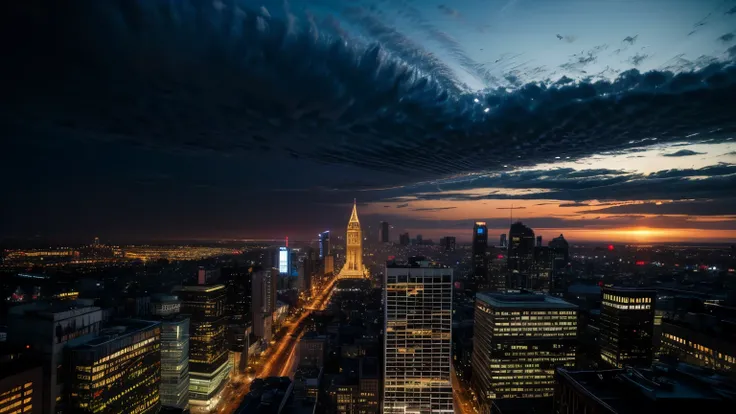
(476, 100)
(486, 110)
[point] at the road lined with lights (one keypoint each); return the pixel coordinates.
(281, 359)
(463, 404)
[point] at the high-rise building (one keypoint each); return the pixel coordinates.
(539, 241)
(48, 327)
(520, 256)
(174, 388)
(404, 239)
(353, 268)
(503, 242)
(21, 378)
(420, 240)
(559, 252)
(449, 244)
(118, 370)
(324, 244)
(518, 340)
(480, 247)
(239, 284)
(627, 324)
(208, 353)
(264, 301)
(383, 236)
(417, 341)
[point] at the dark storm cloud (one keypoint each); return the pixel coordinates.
(187, 75)
(715, 182)
(683, 153)
(722, 207)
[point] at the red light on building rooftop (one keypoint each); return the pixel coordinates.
(500, 256)
(610, 247)
(640, 263)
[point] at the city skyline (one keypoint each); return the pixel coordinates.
(432, 115)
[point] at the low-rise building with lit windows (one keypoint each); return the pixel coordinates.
(117, 371)
(21, 377)
(700, 340)
(627, 326)
(519, 339)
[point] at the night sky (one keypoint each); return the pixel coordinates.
(608, 120)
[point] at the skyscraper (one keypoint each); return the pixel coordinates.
(520, 256)
(503, 242)
(480, 246)
(353, 268)
(264, 301)
(418, 326)
(627, 323)
(208, 353)
(324, 244)
(519, 339)
(174, 388)
(383, 232)
(117, 371)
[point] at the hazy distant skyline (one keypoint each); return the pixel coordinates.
(603, 120)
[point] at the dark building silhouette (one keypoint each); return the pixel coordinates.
(480, 247)
(627, 324)
(383, 236)
(404, 239)
(448, 243)
(520, 256)
(559, 252)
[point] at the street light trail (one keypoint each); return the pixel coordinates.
(283, 357)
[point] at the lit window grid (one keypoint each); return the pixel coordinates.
(127, 380)
(19, 398)
(695, 353)
(504, 366)
(418, 342)
(627, 324)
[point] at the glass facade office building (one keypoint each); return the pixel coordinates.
(418, 331)
(118, 371)
(519, 340)
(208, 353)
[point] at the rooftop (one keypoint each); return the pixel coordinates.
(523, 300)
(201, 288)
(624, 290)
(642, 391)
(116, 330)
(415, 262)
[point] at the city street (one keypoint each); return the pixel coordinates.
(463, 403)
(280, 358)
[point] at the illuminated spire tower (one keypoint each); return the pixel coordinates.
(353, 268)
